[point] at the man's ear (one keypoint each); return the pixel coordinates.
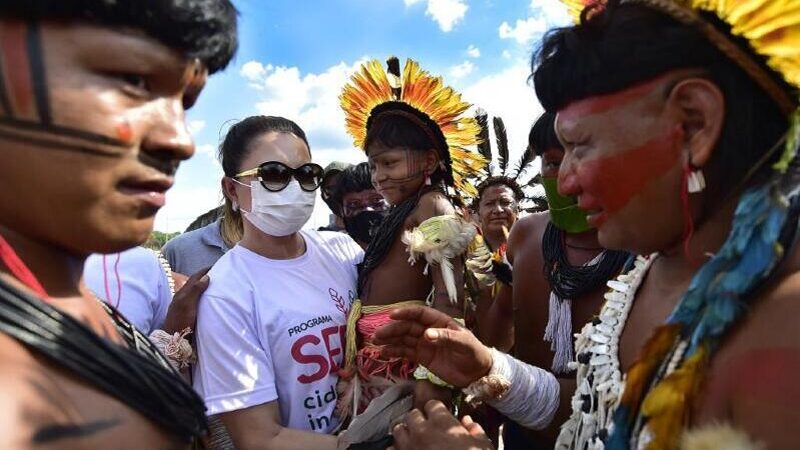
(700, 108)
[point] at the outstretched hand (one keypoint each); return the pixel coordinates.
(433, 339)
(435, 428)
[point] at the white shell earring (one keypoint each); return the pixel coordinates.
(696, 182)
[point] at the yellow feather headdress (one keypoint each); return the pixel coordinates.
(372, 86)
(772, 28)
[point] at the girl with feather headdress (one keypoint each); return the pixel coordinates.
(680, 126)
(420, 148)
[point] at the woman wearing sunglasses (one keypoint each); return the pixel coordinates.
(270, 325)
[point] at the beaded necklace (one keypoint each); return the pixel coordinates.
(599, 378)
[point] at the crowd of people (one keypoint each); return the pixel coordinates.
(638, 292)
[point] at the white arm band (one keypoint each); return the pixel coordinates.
(532, 398)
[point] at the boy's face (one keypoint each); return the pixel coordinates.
(397, 172)
(92, 128)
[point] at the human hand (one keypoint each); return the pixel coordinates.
(182, 311)
(433, 339)
(179, 279)
(425, 391)
(437, 429)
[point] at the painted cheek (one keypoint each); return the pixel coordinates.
(610, 182)
(124, 131)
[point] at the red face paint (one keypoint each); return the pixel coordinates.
(124, 132)
(16, 70)
(608, 183)
(602, 103)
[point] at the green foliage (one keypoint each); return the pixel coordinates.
(158, 239)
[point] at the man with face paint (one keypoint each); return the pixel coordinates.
(680, 125)
(362, 207)
(557, 262)
(92, 128)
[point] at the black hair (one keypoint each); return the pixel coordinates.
(623, 45)
(396, 124)
(352, 179)
(499, 180)
(203, 29)
(543, 134)
(235, 147)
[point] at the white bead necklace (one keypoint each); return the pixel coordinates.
(599, 379)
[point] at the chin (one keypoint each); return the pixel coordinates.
(124, 235)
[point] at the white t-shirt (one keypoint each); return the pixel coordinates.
(134, 282)
(274, 330)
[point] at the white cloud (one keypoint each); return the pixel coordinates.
(506, 54)
(310, 99)
(447, 13)
(473, 52)
(253, 70)
(462, 70)
(195, 126)
(507, 94)
(185, 204)
(544, 15)
(524, 31)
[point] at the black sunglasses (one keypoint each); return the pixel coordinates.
(275, 176)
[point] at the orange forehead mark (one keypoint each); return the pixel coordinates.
(17, 70)
(602, 103)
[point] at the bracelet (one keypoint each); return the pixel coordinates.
(494, 385)
(422, 373)
(174, 346)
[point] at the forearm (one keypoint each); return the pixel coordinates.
(496, 325)
(533, 396)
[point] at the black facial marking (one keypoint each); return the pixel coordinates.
(51, 433)
(4, 101)
(38, 75)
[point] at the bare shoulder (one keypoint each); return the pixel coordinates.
(525, 231)
(432, 204)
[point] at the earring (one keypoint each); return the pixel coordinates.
(427, 179)
(235, 206)
(696, 182)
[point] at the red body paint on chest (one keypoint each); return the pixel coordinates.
(17, 71)
(610, 182)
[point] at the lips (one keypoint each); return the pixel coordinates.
(149, 190)
(595, 215)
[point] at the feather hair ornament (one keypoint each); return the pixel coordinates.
(437, 107)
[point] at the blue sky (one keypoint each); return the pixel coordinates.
(295, 56)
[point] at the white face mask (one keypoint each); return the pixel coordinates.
(279, 213)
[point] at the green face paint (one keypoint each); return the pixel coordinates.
(564, 211)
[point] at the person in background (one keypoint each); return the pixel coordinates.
(198, 249)
(330, 179)
(135, 282)
(362, 207)
(270, 324)
(561, 273)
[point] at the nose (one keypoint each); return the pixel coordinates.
(168, 138)
(567, 180)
